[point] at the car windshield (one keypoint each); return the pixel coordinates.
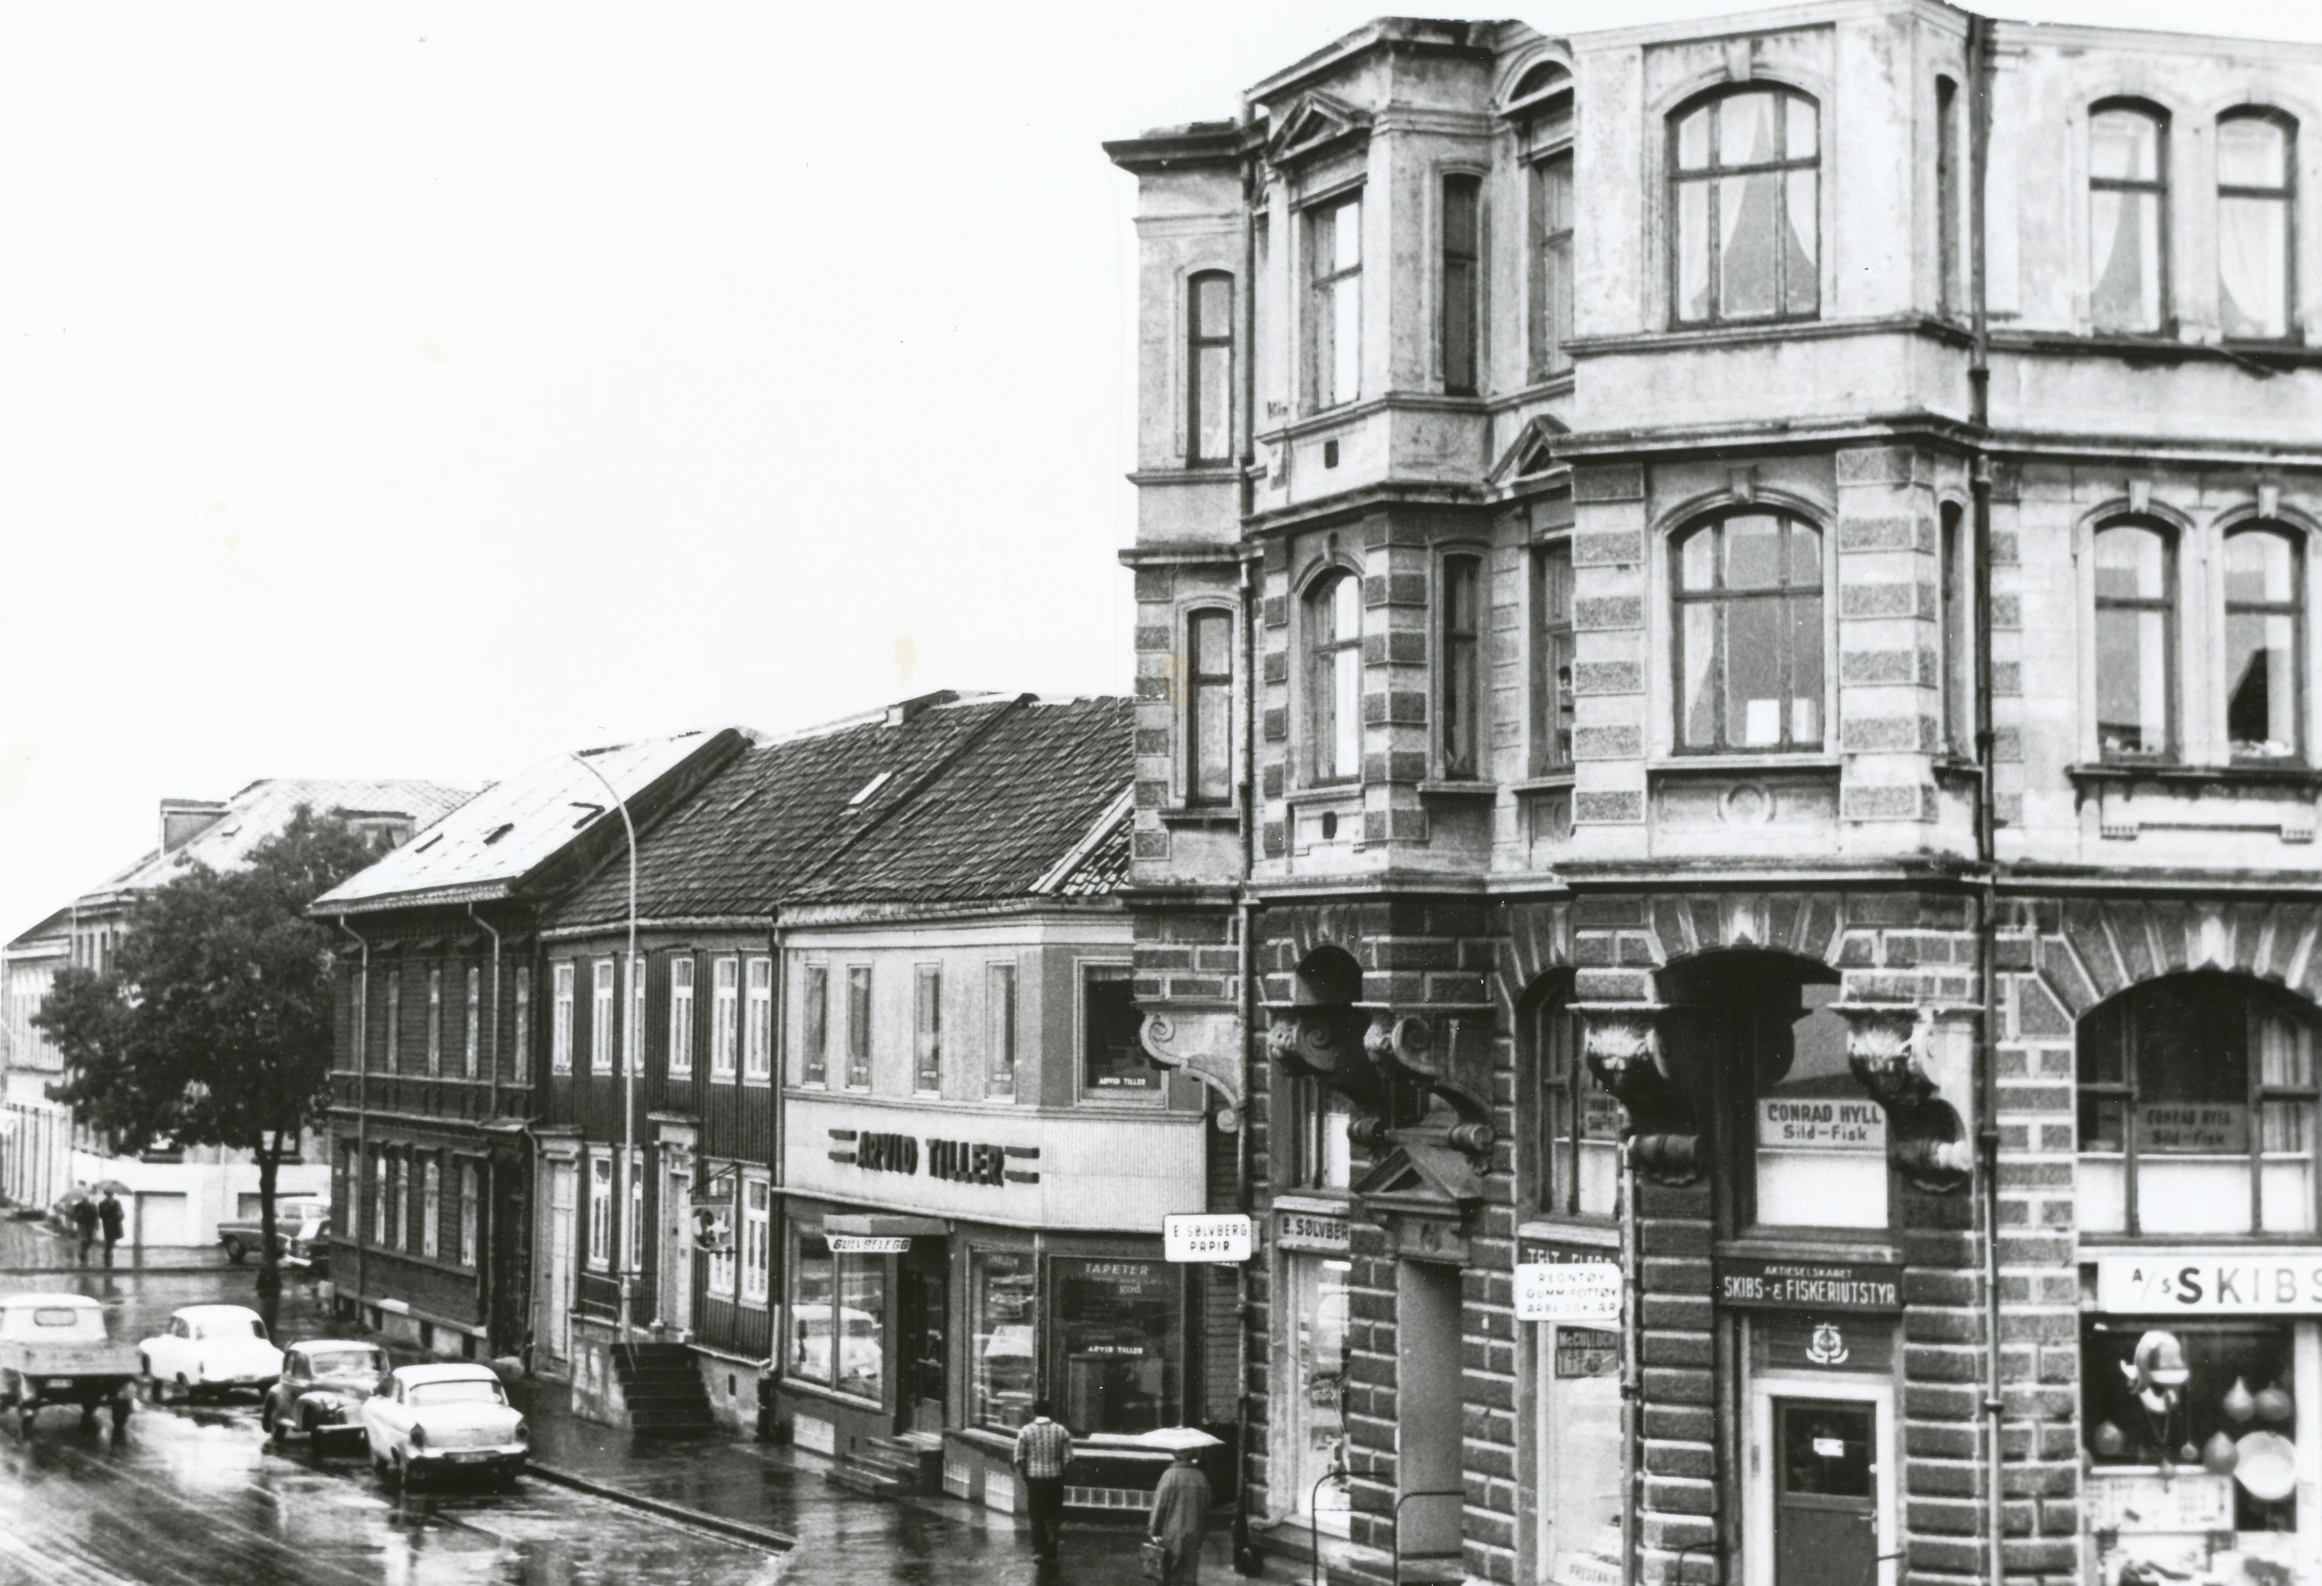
(470, 1392)
(55, 1316)
(232, 1327)
(345, 1362)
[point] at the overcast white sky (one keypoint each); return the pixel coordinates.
(418, 390)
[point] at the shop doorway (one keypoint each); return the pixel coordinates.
(676, 1247)
(923, 1293)
(1820, 1460)
(1314, 1418)
(556, 1302)
(1429, 1498)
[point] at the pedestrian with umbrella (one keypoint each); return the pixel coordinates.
(85, 1224)
(1181, 1503)
(109, 1216)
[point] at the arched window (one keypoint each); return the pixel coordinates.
(2136, 641)
(2197, 1097)
(1748, 589)
(2128, 217)
(1744, 179)
(2257, 191)
(2264, 642)
(1209, 367)
(1334, 679)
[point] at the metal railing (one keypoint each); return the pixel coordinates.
(1434, 1492)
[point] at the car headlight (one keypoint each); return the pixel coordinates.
(419, 1437)
(523, 1433)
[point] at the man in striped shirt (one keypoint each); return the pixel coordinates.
(1043, 1450)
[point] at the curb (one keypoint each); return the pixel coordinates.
(154, 1268)
(741, 1530)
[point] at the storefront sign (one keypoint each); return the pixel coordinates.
(1310, 1231)
(1225, 1238)
(966, 1163)
(2228, 1283)
(1822, 1123)
(1810, 1285)
(1568, 1291)
(955, 1161)
(2182, 1500)
(2183, 1129)
(886, 1153)
(1586, 1352)
(866, 1245)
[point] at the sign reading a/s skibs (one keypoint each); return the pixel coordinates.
(2220, 1283)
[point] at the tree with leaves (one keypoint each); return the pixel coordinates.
(212, 1025)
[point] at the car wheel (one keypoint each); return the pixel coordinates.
(234, 1251)
(25, 1415)
(185, 1390)
(398, 1474)
(120, 1416)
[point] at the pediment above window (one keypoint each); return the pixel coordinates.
(1316, 124)
(1533, 456)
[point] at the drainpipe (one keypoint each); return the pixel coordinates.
(354, 1208)
(628, 993)
(1980, 68)
(1632, 1374)
(1245, 908)
(484, 1229)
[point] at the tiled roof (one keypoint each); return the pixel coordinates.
(264, 808)
(962, 800)
(492, 843)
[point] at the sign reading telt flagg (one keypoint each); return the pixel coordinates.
(2216, 1283)
(1810, 1285)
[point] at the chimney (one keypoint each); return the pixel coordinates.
(182, 820)
(906, 710)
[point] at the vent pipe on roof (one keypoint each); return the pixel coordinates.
(182, 820)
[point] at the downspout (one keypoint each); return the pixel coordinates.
(1246, 909)
(1980, 68)
(1632, 1374)
(484, 1228)
(354, 1208)
(626, 988)
(778, 1163)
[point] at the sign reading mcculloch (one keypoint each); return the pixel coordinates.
(2216, 1283)
(1810, 1285)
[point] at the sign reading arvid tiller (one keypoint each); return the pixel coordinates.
(1778, 1285)
(2218, 1283)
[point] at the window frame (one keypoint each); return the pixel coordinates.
(434, 1021)
(2158, 189)
(753, 1280)
(1196, 346)
(860, 1068)
(1322, 285)
(633, 1031)
(1002, 1015)
(1560, 1075)
(1547, 354)
(521, 1073)
(758, 1019)
(431, 1206)
(681, 1015)
(1198, 683)
(1721, 599)
(2286, 196)
(597, 1251)
(725, 1018)
(472, 1036)
(1117, 971)
(1950, 276)
(1319, 704)
(602, 995)
(395, 1020)
(1459, 649)
(471, 1214)
(722, 1268)
(2170, 603)
(1709, 176)
(927, 1029)
(564, 993)
(1955, 616)
(1553, 635)
(814, 1026)
(1459, 283)
(2294, 608)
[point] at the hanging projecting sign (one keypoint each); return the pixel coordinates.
(1206, 1238)
(2224, 1283)
(1822, 1123)
(1588, 1292)
(1810, 1285)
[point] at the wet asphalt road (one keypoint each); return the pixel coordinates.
(197, 1496)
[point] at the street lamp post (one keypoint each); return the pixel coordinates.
(627, 1195)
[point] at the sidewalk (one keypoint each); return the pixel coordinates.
(28, 1249)
(841, 1536)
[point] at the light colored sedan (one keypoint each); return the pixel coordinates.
(210, 1350)
(429, 1420)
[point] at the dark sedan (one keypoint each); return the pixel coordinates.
(321, 1391)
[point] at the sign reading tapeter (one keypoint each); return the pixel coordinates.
(1822, 1123)
(2223, 1283)
(1810, 1285)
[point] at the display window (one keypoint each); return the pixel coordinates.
(1113, 1060)
(1314, 1418)
(1117, 1343)
(1576, 1383)
(838, 1313)
(1003, 1319)
(1821, 1142)
(2196, 1436)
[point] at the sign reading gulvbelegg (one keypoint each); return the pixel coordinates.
(2215, 1283)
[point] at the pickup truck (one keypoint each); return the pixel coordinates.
(243, 1238)
(53, 1350)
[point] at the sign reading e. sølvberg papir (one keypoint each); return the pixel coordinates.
(2212, 1283)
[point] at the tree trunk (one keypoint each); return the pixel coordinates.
(269, 1259)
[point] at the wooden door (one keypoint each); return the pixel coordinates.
(1826, 1493)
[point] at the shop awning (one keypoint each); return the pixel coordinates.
(885, 1225)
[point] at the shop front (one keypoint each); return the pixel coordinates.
(1572, 1372)
(2201, 1420)
(1314, 1272)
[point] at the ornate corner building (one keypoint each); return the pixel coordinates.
(1725, 686)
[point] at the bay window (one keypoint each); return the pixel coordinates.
(1748, 590)
(1460, 270)
(1209, 707)
(1209, 367)
(1334, 303)
(1460, 651)
(758, 1033)
(681, 1016)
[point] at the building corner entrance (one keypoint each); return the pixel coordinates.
(1821, 1467)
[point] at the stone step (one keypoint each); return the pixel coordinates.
(870, 1483)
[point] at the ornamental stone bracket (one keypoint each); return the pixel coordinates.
(1622, 1044)
(1201, 1043)
(1889, 1048)
(1401, 1068)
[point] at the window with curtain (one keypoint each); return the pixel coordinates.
(1209, 707)
(1334, 679)
(431, 1208)
(560, 1033)
(1461, 656)
(601, 1019)
(927, 1029)
(758, 1032)
(1334, 303)
(522, 1071)
(434, 1022)
(2197, 1096)
(2136, 634)
(814, 1026)
(858, 1026)
(1550, 265)
(1750, 642)
(1552, 658)
(2257, 192)
(681, 1016)
(2128, 218)
(1745, 191)
(725, 994)
(1460, 279)
(2264, 642)
(1209, 367)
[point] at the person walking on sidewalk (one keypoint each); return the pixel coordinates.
(1180, 1515)
(109, 1215)
(85, 1223)
(1043, 1450)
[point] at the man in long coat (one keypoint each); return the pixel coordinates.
(1180, 1515)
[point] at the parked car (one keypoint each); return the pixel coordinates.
(430, 1420)
(310, 1247)
(54, 1350)
(210, 1350)
(321, 1392)
(244, 1237)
